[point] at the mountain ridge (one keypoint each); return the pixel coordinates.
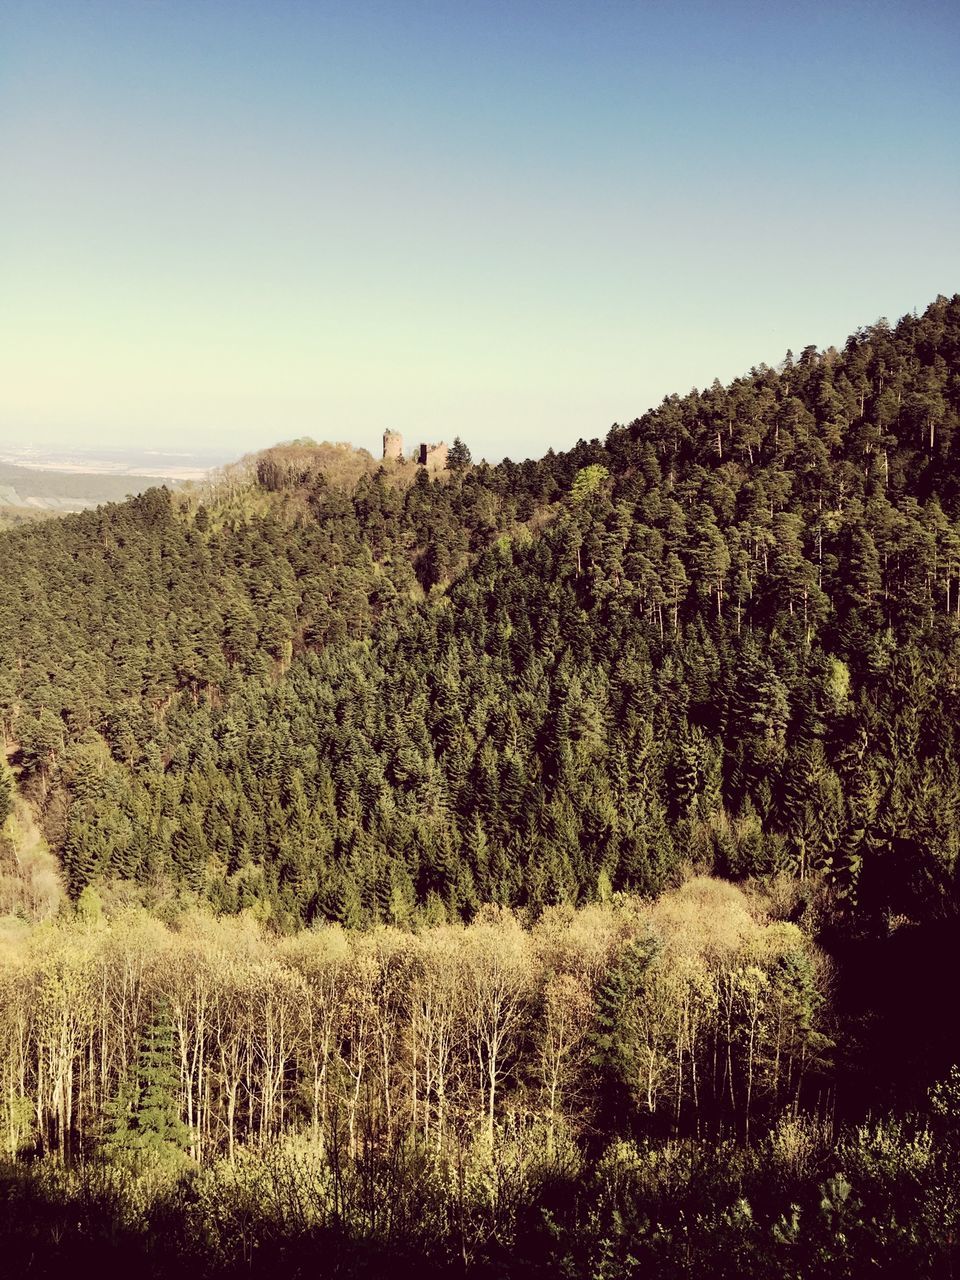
(362, 696)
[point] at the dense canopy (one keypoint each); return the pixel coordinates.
(432, 786)
(727, 634)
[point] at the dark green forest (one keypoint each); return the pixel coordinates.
(723, 641)
(728, 634)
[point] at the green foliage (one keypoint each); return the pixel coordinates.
(588, 482)
(143, 1120)
(726, 637)
(458, 456)
(616, 1042)
(6, 793)
(89, 906)
(723, 634)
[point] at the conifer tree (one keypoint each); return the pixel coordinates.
(144, 1122)
(6, 793)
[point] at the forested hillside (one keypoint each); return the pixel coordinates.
(501, 737)
(727, 634)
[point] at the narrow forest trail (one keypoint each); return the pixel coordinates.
(31, 881)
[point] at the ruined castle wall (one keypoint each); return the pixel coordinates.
(433, 456)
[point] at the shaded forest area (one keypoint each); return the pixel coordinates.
(399, 726)
(624, 1086)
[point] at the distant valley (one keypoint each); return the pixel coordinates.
(38, 482)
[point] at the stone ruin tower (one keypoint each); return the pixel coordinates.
(433, 456)
(393, 445)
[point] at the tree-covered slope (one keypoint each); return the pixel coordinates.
(728, 634)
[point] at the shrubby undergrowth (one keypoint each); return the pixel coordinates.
(876, 1200)
(633, 1087)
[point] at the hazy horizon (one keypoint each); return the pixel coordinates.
(228, 225)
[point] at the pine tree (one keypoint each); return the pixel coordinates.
(458, 457)
(144, 1121)
(6, 793)
(615, 1049)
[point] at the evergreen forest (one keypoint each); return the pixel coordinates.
(548, 868)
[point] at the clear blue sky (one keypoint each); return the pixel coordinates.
(223, 224)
